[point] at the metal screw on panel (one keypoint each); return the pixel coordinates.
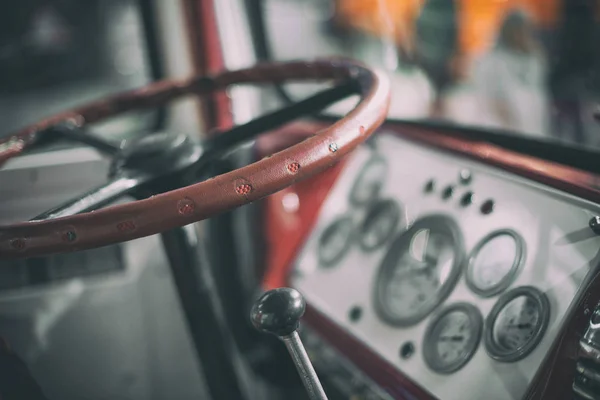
(465, 176)
(355, 313)
(487, 207)
(407, 350)
(429, 186)
(467, 199)
(448, 192)
(595, 224)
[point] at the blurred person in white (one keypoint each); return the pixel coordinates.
(412, 92)
(510, 80)
(380, 32)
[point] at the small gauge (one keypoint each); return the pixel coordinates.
(369, 182)
(516, 324)
(452, 338)
(379, 224)
(495, 262)
(419, 271)
(335, 241)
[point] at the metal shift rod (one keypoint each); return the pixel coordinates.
(278, 312)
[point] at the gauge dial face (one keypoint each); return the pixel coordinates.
(335, 241)
(369, 182)
(495, 262)
(419, 271)
(379, 224)
(452, 338)
(516, 324)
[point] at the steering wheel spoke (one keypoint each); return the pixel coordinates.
(95, 198)
(245, 132)
(221, 142)
(74, 133)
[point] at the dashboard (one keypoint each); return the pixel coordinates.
(459, 275)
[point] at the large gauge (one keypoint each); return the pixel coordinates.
(516, 324)
(452, 338)
(369, 182)
(419, 271)
(379, 224)
(495, 262)
(335, 241)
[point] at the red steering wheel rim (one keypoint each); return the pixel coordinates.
(193, 203)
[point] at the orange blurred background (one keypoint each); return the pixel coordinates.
(478, 20)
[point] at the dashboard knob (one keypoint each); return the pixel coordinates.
(278, 311)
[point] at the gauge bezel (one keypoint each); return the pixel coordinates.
(510, 277)
(345, 219)
(375, 159)
(543, 304)
(398, 246)
(430, 343)
(373, 209)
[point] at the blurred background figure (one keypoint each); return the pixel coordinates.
(382, 32)
(437, 50)
(509, 80)
(569, 80)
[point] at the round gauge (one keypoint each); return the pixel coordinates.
(419, 271)
(495, 262)
(379, 224)
(369, 182)
(335, 241)
(516, 324)
(452, 338)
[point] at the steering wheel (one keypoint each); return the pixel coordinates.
(170, 161)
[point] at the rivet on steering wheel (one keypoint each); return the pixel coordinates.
(126, 226)
(69, 236)
(293, 167)
(77, 121)
(243, 189)
(12, 144)
(186, 206)
(18, 244)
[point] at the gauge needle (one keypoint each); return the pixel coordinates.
(520, 326)
(456, 338)
(420, 270)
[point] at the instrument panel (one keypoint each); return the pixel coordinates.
(470, 267)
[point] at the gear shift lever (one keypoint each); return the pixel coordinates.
(278, 312)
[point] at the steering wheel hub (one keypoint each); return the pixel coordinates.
(160, 153)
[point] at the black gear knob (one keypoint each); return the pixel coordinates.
(278, 311)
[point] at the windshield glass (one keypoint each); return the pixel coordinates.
(56, 55)
(525, 66)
